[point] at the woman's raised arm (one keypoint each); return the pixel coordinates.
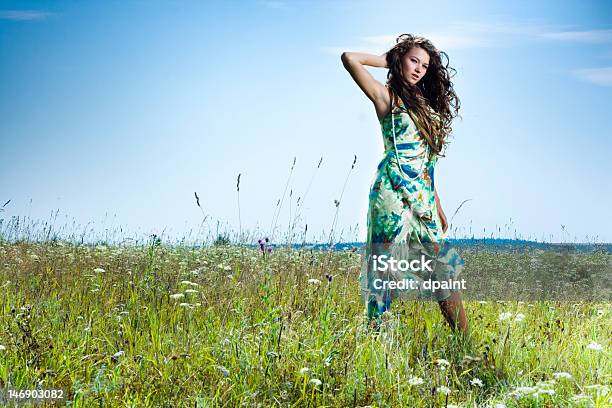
(354, 63)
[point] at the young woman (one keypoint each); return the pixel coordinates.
(405, 218)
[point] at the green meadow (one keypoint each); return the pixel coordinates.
(223, 325)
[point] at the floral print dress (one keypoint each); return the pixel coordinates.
(403, 220)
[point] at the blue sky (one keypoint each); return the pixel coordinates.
(116, 112)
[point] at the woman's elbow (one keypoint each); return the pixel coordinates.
(345, 57)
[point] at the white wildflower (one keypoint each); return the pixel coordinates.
(177, 296)
(442, 363)
(581, 397)
(505, 315)
(99, 270)
(303, 370)
(191, 291)
(186, 282)
(314, 281)
(593, 345)
(476, 381)
(118, 354)
(444, 390)
(562, 374)
(415, 380)
(315, 381)
(500, 405)
(2, 348)
(524, 390)
(544, 391)
(519, 317)
(482, 302)
(603, 389)
(184, 305)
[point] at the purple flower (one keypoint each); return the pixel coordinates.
(264, 245)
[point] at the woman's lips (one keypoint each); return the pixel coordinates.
(415, 76)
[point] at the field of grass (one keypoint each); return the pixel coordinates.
(226, 326)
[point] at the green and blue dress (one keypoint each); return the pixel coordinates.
(403, 220)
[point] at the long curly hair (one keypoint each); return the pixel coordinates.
(432, 102)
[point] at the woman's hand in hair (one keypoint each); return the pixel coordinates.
(355, 63)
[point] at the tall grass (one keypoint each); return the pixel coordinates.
(141, 319)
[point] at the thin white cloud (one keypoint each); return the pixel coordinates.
(379, 44)
(24, 15)
(442, 40)
(589, 36)
(473, 34)
(599, 76)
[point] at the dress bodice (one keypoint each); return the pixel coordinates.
(411, 151)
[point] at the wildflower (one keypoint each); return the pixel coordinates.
(415, 380)
(593, 345)
(476, 381)
(224, 371)
(482, 302)
(314, 281)
(2, 348)
(562, 374)
(581, 397)
(505, 315)
(191, 291)
(186, 282)
(264, 245)
(303, 370)
(500, 406)
(544, 391)
(177, 296)
(272, 354)
(603, 389)
(99, 270)
(442, 363)
(519, 317)
(315, 381)
(184, 305)
(444, 390)
(117, 355)
(523, 390)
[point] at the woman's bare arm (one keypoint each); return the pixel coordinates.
(354, 63)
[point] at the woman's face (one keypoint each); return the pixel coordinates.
(414, 64)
